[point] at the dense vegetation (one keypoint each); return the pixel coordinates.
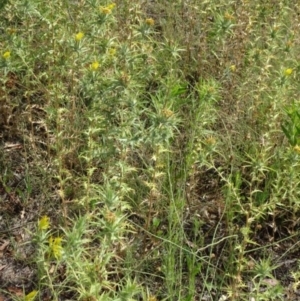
(149, 150)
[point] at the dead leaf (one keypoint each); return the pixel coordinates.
(270, 282)
(18, 292)
(19, 237)
(4, 245)
(10, 146)
(52, 269)
(2, 298)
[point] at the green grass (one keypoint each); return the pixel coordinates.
(150, 151)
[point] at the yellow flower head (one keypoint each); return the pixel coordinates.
(31, 296)
(297, 149)
(149, 21)
(228, 17)
(167, 113)
(44, 223)
(105, 10)
(110, 216)
(233, 68)
(111, 6)
(289, 43)
(6, 55)
(288, 72)
(11, 31)
(56, 247)
(95, 66)
(79, 36)
(112, 51)
(210, 140)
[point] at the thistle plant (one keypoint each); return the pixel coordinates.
(150, 149)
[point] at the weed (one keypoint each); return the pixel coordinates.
(149, 151)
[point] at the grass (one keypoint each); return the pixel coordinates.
(149, 151)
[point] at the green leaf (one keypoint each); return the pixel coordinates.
(178, 90)
(3, 3)
(289, 135)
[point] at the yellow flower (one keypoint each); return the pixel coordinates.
(288, 72)
(149, 21)
(105, 10)
(79, 36)
(297, 149)
(94, 66)
(112, 51)
(11, 31)
(110, 216)
(210, 140)
(167, 113)
(44, 223)
(289, 43)
(233, 68)
(6, 55)
(56, 247)
(111, 6)
(228, 16)
(31, 296)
